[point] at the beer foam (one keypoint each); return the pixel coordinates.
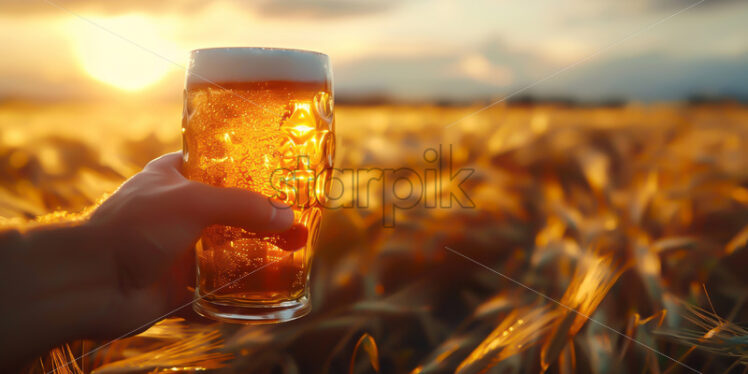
(217, 65)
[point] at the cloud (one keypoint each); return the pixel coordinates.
(680, 4)
(322, 8)
(487, 70)
(104, 7)
(494, 69)
(477, 67)
(666, 6)
(271, 8)
(652, 76)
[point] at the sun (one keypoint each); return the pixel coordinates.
(110, 59)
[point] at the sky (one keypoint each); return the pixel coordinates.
(406, 49)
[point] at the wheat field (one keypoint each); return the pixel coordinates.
(602, 239)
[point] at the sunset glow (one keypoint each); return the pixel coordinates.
(112, 60)
(448, 187)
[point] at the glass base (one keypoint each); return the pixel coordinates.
(254, 313)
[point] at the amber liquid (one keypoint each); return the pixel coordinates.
(273, 137)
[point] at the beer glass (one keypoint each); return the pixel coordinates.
(260, 119)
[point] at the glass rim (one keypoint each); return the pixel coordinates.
(267, 49)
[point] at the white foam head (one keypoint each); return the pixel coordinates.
(217, 65)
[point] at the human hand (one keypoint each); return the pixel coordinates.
(126, 266)
(150, 225)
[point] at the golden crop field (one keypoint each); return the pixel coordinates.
(633, 216)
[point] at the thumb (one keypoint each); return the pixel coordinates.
(237, 207)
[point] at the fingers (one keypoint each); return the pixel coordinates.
(293, 239)
(179, 278)
(237, 207)
(171, 160)
(227, 206)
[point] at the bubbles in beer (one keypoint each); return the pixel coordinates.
(280, 144)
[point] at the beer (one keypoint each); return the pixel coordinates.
(262, 120)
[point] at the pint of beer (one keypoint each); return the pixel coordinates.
(259, 119)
